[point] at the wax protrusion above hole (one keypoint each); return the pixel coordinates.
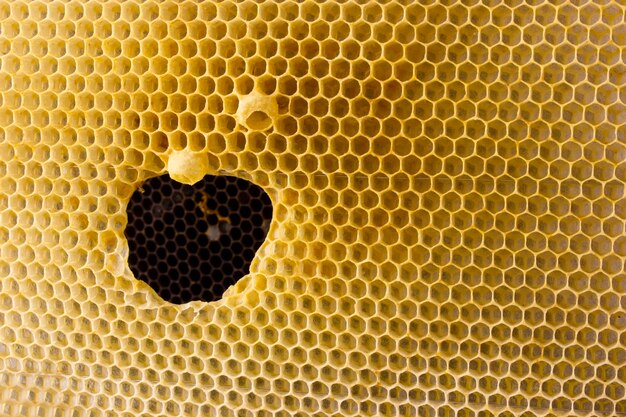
(187, 167)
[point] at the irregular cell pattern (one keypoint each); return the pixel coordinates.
(447, 179)
(191, 242)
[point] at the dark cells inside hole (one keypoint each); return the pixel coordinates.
(192, 242)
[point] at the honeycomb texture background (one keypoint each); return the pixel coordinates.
(448, 189)
(192, 242)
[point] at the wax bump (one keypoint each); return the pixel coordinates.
(187, 167)
(257, 111)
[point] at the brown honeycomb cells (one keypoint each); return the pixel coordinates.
(192, 242)
(447, 181)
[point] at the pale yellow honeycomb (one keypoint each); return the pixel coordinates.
(448, 189)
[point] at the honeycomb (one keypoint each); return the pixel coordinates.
(191, 242)
(447, 180)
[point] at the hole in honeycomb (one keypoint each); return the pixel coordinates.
(192, 242)
(258, 120)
